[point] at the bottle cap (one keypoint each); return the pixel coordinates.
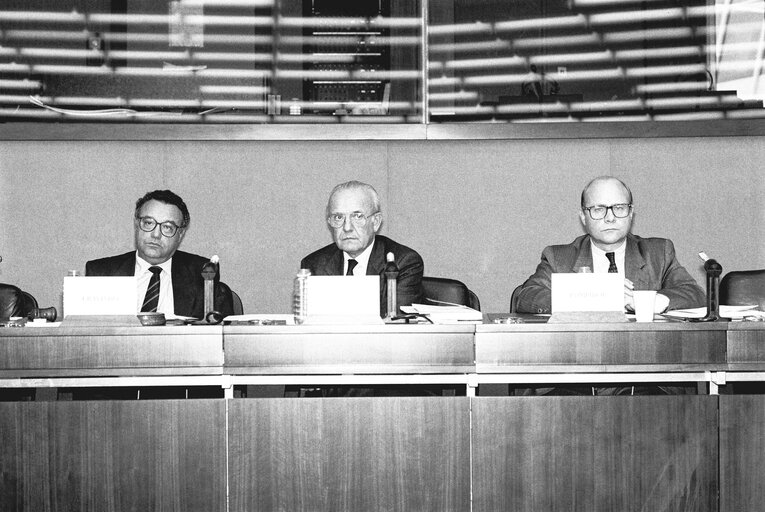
(389, 257)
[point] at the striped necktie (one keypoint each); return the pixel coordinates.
(611, 263)
(151, 299)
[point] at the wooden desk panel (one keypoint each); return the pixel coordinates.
(104, 351)
(113, 456)
(746, 345)
(348, 349)
(599, 347)
(742, 452)
(595, 454)
(350, 454)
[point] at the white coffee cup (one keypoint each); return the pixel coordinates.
(644, 303)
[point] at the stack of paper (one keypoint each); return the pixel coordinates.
(734, 312)
(446, 314)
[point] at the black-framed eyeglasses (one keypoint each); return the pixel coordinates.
(168, 229)
(358, 219)
(599, 211)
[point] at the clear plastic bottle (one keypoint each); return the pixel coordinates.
(300, 296)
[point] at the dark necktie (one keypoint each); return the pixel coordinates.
(611, 263)
(151, 299)
(351, 265)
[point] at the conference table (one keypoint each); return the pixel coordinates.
(467, 452)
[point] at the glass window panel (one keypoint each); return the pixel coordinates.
(211, 61)
(595, 60)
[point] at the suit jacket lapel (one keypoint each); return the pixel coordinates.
(376, 264)
(183, 285)
(584, 255)
(635, 263)
(127, 266)
(335, 265)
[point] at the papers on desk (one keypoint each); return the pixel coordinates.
(734, 312)
(261, 319)
(454, 314)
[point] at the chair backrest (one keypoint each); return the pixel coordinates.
(15, 302)
(514, 299)
(741, 287)
(449, 290)
(238, 307)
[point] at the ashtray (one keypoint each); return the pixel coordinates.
(151, 318)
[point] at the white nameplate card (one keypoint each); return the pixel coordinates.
(99, 296)
(343, 300)
(587, 292)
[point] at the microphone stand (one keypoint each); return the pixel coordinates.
(209, 271)
(713, 270)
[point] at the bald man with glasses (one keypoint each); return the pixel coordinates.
(608, 246)
(354, 218)
(169, 281)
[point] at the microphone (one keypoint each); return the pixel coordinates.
(48, 314)
(391, 275)
(209, 271)
(713, 270)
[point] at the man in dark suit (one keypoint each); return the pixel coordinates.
(354, 218)
(160, 223)
(646, 263)
(168, 280)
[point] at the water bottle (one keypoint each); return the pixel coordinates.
(300, 296)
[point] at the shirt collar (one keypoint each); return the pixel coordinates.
(141, 265)
(597, 251)
(362, 259)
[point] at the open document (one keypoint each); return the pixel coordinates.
(733, 312)
(446, 314)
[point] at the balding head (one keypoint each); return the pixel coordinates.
(604, 179)
(606, 212)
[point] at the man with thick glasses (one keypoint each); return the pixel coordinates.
(354, 218)
(646, 263)
(169, 281)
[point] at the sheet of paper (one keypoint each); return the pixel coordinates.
(343, 300)
(587, 292)
(735, 312)
(445, 314)
(99, 296)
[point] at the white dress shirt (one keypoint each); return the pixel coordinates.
(362, 261)
(600, 262)
(143, 275)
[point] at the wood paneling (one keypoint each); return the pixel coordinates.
(64, 351)
(354, 454)
(354, 349)
(742, 452)
(746, 344)
(113, 456)
(630, 346)
(595, 454)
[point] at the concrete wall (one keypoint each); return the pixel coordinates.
(478, 211)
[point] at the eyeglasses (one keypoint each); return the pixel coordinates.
(168, 229)
(599, 211)
(358, 219)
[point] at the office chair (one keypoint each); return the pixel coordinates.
(741, 287)
(449, 290)
(15, 302)
(514, 299)
(238, 307)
